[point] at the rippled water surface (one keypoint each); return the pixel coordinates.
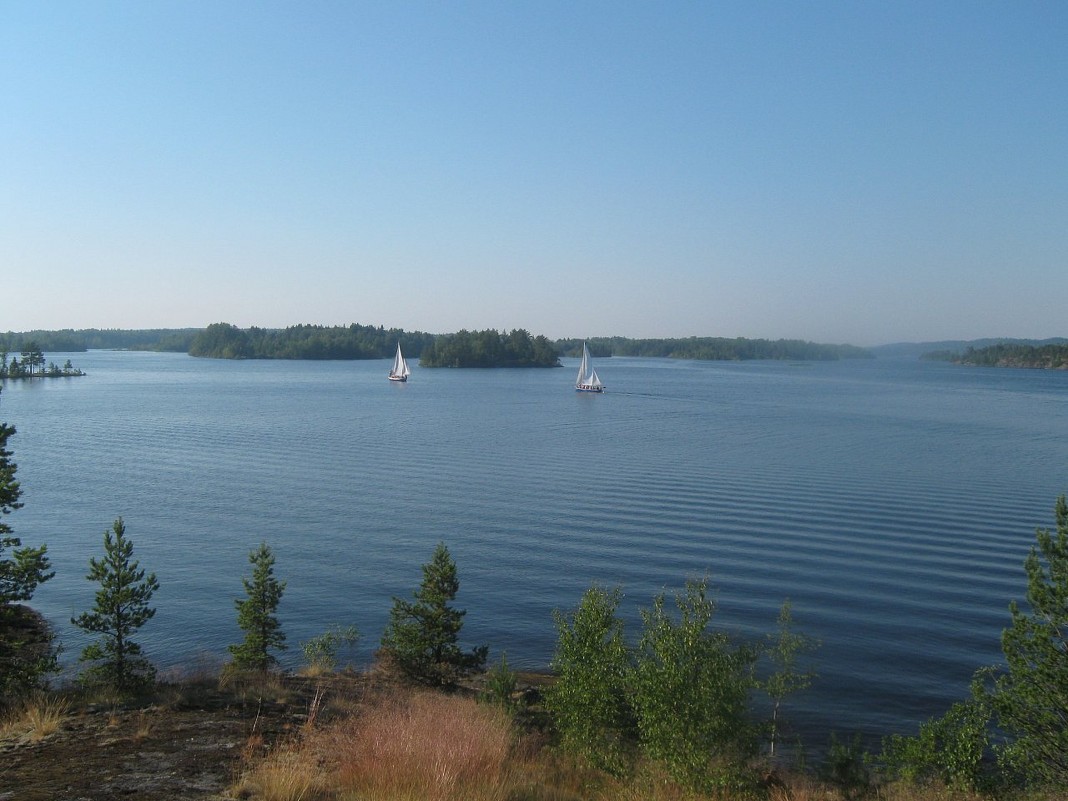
(892, 501)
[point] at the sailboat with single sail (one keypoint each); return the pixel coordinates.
(588, 380)
(400, 370)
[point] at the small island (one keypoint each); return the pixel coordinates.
(33, 365)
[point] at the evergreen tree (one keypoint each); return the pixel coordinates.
(421, 637)
(121, 609)
(1030, 698)
(256, 614)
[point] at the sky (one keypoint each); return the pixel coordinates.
(845, 172)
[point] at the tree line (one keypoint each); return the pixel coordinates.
(465, 348)
(714, 349)
(226, 341)
(79, 340)
(1052, 356)
(681, 694)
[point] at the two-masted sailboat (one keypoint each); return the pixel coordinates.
(400, 370)
(587, 380)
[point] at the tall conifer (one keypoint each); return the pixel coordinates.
(121, 609)
(256, 615)
(421, 637)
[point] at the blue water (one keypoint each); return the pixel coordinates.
(892, 501)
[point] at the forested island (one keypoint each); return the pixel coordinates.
(1052, 356)
(33, 364)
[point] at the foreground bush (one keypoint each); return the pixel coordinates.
(588, 701)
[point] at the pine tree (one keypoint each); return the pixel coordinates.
(256, 615)
(121, 609)
(421, 637)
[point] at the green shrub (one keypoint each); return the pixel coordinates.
(691, 693)
(588, 701)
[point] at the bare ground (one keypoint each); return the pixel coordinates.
(189, 744)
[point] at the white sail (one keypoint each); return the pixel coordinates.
(400, 370)
(584, 365)
(587, 379)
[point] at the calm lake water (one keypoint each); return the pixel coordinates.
(892, 501)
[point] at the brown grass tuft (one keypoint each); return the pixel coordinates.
(37, 718)
(424, 746)
(144, 725)
(254, 685)
(287, 774)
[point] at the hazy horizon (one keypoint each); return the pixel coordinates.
(840, 173)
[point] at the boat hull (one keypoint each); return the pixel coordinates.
(582, 388)
(400, 378)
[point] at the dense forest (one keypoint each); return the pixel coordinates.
(225, 341)
(714, 348)
(1008, 354)
(489, 349)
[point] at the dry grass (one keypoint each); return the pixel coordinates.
(255, 686)
(423, 746)
(144, 725)
(37, 718)
(290, 773)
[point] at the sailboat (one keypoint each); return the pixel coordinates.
(400, 370)
(588, 380)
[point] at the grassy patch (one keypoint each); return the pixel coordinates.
(36, 718)
(424, 745)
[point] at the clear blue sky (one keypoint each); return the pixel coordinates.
(862, 172)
